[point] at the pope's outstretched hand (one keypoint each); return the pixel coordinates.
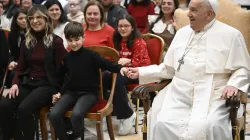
(132, 73)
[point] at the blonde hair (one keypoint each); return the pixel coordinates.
(31, 41)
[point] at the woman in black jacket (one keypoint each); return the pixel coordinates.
(16, 37)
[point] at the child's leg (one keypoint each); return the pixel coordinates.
(82, 107)
(57, 114)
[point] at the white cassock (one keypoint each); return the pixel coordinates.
(190, 107)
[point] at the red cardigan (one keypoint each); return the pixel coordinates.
(138, 53)
(140, 14)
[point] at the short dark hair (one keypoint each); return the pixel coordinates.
(73, 29)
(63, 17)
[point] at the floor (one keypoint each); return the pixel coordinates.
(90, 126)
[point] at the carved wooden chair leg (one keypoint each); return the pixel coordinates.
(99, 130)
(146, 106)
(43, 125)
(110, 127)
(52, 131)
(137, 115)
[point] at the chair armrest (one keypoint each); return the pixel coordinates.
(142, 91)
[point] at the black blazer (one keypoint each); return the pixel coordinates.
(50, 63)
(14, 46)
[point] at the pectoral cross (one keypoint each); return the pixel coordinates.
(181, 61)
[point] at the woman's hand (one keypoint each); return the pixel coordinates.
(56, 97)
(124, 61)
(13, 92)
(12, 65)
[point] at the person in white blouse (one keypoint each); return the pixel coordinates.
(58, 17)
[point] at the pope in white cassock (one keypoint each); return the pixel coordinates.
(208, 62)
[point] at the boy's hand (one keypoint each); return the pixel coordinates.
(124, 71)
(56, 97)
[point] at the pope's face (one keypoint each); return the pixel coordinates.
(198, 14)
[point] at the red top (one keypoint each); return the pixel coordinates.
(138, 53)
(102, 37)
(140, 14)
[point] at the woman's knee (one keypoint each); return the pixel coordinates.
(76, 116)
(5, 104)
(55, 115)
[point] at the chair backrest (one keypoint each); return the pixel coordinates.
(6, 31)
(229, 13)
(155, 45)
(113, 55)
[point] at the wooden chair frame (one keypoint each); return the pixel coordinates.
(100, 114)
(145, 36)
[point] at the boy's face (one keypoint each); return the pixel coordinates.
(75, 43)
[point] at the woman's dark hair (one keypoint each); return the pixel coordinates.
(176, 5)
(14, 26)
(101, 9)
(143, 2)
(117, 38)
(63, 17)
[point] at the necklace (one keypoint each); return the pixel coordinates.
(181, 61)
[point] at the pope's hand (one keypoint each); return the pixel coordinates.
(56, 97)
(229, 91)
(133, 73)
(13, 92)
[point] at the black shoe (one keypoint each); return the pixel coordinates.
(72, 137)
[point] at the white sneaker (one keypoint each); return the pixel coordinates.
(127, 125)
(104, 125)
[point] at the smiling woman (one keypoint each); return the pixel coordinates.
(96, 32)
(36, 78)
(58, 17)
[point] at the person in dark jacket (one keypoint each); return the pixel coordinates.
(16, 37)
(36, 78)
(4, 55)
(113, 12)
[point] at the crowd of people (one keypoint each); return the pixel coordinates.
(49, 64)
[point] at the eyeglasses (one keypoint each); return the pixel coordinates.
(123, 26)
(38, 18)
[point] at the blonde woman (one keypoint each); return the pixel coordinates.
(36, 78)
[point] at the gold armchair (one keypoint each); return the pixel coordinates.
(233, 15)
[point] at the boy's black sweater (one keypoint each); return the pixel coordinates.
(81, 68)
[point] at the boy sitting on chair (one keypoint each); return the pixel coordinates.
(81, 66)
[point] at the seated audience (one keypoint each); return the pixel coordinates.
(139, 10)
(133, 53)
(163, 25)
(16, 37)
(59, 18)
(82, 85)
(96, 32)
(36, 78)
(75, 13)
